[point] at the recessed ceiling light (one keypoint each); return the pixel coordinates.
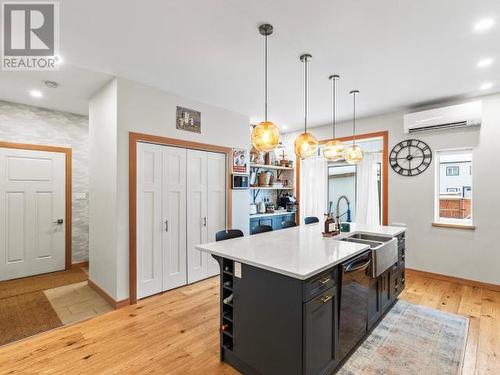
(484, 24)
(484, 63)
(486, 86)
(284, 127)
(36, 93)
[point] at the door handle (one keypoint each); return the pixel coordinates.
(166, 225)
(205, 221)
(58, 221)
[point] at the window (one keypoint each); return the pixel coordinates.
(453, 171)
(453, 198)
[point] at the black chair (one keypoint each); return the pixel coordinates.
(288, 224)
(311, 219)
(228, 234)
(262, 229)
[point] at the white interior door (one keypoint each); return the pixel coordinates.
(150, 224)
(196, 213)
(32, 200)
(216, 203)
(174, 214)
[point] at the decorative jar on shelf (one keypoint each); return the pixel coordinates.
(265, 178)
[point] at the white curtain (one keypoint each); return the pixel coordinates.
(313, 187)
(367, 200)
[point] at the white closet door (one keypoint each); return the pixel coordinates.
(32, 200)
(174, 214)
(216, 203)
(196, 213)
(150, 225)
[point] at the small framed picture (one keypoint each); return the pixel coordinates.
(188, 119)
(240, 160)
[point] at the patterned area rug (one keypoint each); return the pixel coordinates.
(412, 340)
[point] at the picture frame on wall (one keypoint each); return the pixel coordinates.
(188, 120)
(240, 160)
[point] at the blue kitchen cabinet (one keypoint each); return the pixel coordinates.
(273, 221)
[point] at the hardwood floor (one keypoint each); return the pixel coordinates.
(481, 305)
(177, 333)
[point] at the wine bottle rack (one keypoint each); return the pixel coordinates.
(227, 289)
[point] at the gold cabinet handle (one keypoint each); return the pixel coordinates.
(325, 299)
(324, 280)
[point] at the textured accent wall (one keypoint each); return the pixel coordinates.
(25, 124)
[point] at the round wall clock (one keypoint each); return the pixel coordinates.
(410, 157)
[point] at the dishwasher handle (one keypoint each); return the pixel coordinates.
(357, 265)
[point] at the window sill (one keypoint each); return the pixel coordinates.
(454, 226)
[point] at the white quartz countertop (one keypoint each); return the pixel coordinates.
(299, 252)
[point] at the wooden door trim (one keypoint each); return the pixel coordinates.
(385, 170)
(134, 138)
(68, 188)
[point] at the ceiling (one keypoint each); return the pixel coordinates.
(76, 86)
(399, 54)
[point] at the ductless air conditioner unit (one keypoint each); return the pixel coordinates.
(454, 116)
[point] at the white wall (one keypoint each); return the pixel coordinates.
(461, 253)
(144, 109)
(26, 124)
(103, 188)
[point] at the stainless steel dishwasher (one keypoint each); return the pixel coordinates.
(354, 289)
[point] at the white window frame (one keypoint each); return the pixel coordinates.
(437, 188)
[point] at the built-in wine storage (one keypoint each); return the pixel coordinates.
(227, 278)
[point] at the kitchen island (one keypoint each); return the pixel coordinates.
(293, 302)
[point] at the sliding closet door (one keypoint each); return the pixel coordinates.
(216, 203)
(149, 221)
(196, 213)
(174, 215)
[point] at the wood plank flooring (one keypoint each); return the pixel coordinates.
(177, 333)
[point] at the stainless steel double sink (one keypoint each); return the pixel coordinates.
(384, 250)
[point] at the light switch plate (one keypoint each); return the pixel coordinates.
(81, 196)
(237, 270)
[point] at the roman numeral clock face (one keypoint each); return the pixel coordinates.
(410, 157)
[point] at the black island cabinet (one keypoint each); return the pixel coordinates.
(275, 324)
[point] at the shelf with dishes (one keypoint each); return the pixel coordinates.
(271, 188)
(272, 167)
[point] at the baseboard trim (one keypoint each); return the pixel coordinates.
(115, 304)
(80, 264)
(453, 279)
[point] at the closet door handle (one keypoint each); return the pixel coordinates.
(205, 221)
(166, 225)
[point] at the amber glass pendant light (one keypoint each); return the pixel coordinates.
(353, 154)
(266, 135)
(305, 144)
(334, 150)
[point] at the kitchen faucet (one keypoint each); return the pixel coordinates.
(343, 197)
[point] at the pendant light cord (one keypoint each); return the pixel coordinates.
(305, 95)
(334, 105)
(265, 80)
(354, 119)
